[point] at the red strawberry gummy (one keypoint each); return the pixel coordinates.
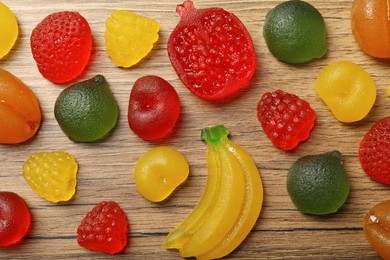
(104, 228)
(61, 46)
(211, 51)
(15, 218)
(286, 119)
(374, 151)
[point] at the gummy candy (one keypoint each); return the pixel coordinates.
(87, 111)
(15, 218)
(104, 228)
(52, 175)
(9, 30)
(159, 172)
(20, 114)
(286, 119)
(61, 45)
(211, 51)
(129, 37)
(154, 108)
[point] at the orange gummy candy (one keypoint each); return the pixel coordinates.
(371, 26)
(20, 114)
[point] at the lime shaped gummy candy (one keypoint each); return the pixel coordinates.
(318, 184)
(87, 111)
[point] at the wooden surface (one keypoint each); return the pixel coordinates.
(106, 168)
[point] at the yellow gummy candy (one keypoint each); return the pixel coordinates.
(129, 37)
(52, 175)
(388, 91)
(8, 30)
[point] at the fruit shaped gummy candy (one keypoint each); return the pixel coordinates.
(374, 151)
(318, 184)
(230, 204)
(159, 172)
(211, 51)
(15, 218)
(376, 226)
(9, 30)
(104, 228)
(129, 37)
(370, 26)
(87, 111)
(20, 114)
(349, 98)
(286, 119)
(295, 32)
(154, 108)
(52, 175)
(61, 45)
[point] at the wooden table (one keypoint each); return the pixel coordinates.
(106, 168)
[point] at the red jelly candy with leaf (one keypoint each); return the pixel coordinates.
(15, 218)
(154, 108)
(211, 51)
(104, 228)
(374, 151)
(61, 46)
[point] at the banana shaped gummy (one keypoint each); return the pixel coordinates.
(230, 205)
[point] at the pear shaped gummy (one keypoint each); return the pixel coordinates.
(318, 184)
(87, 111)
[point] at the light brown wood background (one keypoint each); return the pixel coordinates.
(106, 168)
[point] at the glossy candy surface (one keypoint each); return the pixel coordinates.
(211, 51)
(154, 108)
(104, 228)
(61, 45)
(15, 218)
(9, 30)
(129, 37)
(20, 113)
(159, 172)
(371, 26)
(52, 175)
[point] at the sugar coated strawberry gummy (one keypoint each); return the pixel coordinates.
(61, 46)
(211, 51)
(286, 119)
(374, 151)
(104, 228)
(15, 218)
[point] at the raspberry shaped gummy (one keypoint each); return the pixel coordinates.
(211, 51)
(374, 151)
(104, 228)
(61, 46)
(286, 119)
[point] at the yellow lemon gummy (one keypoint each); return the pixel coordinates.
(347, 89)
(52, 175)
(159, 172)
(8, 30)
(129, 37)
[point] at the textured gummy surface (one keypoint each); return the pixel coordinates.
(374, 151)
(61, 46)
(286, 119)
(104, 228)
(52, 175)
(212, 52)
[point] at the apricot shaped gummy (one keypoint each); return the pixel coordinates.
(20, 114)
(15, 218)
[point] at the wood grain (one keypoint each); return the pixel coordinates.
(106, 168)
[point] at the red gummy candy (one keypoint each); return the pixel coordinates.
(15, 218)
(104, 228)
(154, 108)
(211, 51)
(61, 46)
(286, 119)
(374, 151)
